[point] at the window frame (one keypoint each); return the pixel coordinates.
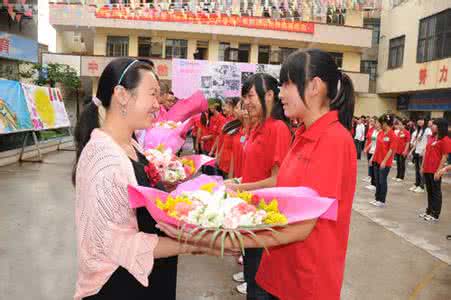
(399, 48)
(178, 47)
(114, 41)
(432, 39)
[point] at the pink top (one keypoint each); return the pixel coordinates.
(107, 229)
(162, 114)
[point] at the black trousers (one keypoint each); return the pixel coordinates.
(434, 191)
(371, 169)
(251, 262)
(400, 166)
(419, 181)
(359, 148)
(381, 182)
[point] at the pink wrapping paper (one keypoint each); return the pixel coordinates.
(186, 108)
(297, 203)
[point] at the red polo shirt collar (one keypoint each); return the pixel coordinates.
(319, 126)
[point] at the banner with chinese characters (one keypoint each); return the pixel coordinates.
(46, 107)
(202, 18)
(92, 66)
(15, 47)
(14, 115)
(217, 80)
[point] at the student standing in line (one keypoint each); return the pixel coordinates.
(370, 149)
(264, 151)
(418, 143)
(383, 158)
(435, 156)
(359, 137)
(402, 150)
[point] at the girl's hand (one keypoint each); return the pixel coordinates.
(439, 174)
(382, 165)
(232, 185)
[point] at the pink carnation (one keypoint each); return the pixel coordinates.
(183, 209)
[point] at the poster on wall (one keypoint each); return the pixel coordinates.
(46, 107)
(217, 80)
(14, 115)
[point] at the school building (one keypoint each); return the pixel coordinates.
(415, 56)
(89, 36)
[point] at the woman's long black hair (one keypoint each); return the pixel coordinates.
(263, 83)
(302, 66)
(89, 118)
(442, 128)
(232, 126)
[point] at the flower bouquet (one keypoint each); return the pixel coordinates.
(169, 134)
(173, 169)
(203, 205)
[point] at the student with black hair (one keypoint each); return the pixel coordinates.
(121, 253)
(264, 150)
(402, 149)
(418, 143)
(435, 156)
(386, 145)
(370, 148)
(307, 259)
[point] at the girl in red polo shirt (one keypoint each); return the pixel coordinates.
(402, 149)
(307, 259)
(236, 160)
(386, 145)
(264, 150)
(434, 158)
(225, 140)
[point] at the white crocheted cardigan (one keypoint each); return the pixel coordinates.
(107, 230)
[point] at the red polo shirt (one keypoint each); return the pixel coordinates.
(435, 149)
(323, 157)
(238, 152)
(368, 136)
(403, 140)
(385, 142)
(265, 148)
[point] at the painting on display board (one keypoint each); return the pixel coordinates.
(217, 80)
(14, 115)
(46, 107)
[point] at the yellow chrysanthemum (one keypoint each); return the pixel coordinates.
(208, 187)
(160, 147)
(245, 196)
(275, 218)
(189, 163)
(170, 204)
(273, 206)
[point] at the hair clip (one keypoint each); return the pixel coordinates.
(96, 101)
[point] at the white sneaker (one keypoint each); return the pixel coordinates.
(373, 202)
(370, 187)
(242, 288)
(430, 218)
(419, 190)
(422, 215)
(366, 179)
(380, 204)
(399, 180)
(413, 188)
(238, 277)
(394, 178)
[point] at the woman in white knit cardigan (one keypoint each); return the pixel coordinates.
(116, 259)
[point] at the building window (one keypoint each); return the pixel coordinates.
(375, 26)
(201, 50)
(369, 67)
(338, 58)
(144, 46)
(263, 54)
(223, 47)
(117, 46)
(284, 52)
(396, 52)
(434, 37)
(243, 53)
(176, 48)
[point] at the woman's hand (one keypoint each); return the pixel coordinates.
(383, 165)
(232, 185)
(439, 174)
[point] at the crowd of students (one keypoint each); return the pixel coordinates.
(390, 138)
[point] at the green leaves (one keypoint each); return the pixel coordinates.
(55, 73)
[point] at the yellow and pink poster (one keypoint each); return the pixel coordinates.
(46, 107)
